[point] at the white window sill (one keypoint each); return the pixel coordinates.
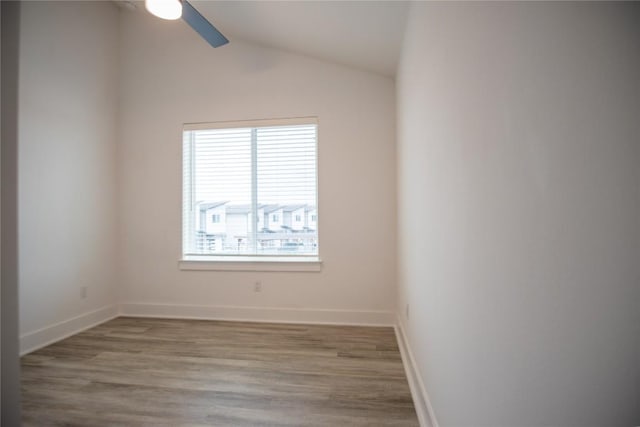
(249, 263)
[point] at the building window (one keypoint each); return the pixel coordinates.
(313, 218)
(244, 169)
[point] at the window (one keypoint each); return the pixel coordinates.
(246, 170)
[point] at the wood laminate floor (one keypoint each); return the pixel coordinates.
(158, 372)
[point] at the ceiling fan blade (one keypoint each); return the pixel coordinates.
(202, 26)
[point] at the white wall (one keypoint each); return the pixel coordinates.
(67, 130)
(169, 76)
(519, 211)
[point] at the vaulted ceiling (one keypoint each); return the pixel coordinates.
(362, 34)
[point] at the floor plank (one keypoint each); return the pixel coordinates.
(161, 372)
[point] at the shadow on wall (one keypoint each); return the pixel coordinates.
(9, 299)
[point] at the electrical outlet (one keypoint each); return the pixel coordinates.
(257, 287)
(83, 292)
(407, 310)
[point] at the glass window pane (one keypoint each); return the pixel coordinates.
(250, 191)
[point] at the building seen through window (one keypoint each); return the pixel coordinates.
(257, 185)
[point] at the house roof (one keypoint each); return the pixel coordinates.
(291, 208)
(245, 208)
(238, 209)
(205, 206)
(271, 208)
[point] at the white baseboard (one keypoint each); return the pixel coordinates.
(43, 337)
(421, 401)
(259, 314)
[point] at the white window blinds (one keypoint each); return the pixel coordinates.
(260, 182)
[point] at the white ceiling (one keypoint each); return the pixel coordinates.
(362, 34)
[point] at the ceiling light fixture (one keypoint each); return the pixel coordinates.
(165, 9)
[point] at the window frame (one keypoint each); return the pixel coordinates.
(248, 262)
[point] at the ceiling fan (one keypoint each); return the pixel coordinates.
(174, 9)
